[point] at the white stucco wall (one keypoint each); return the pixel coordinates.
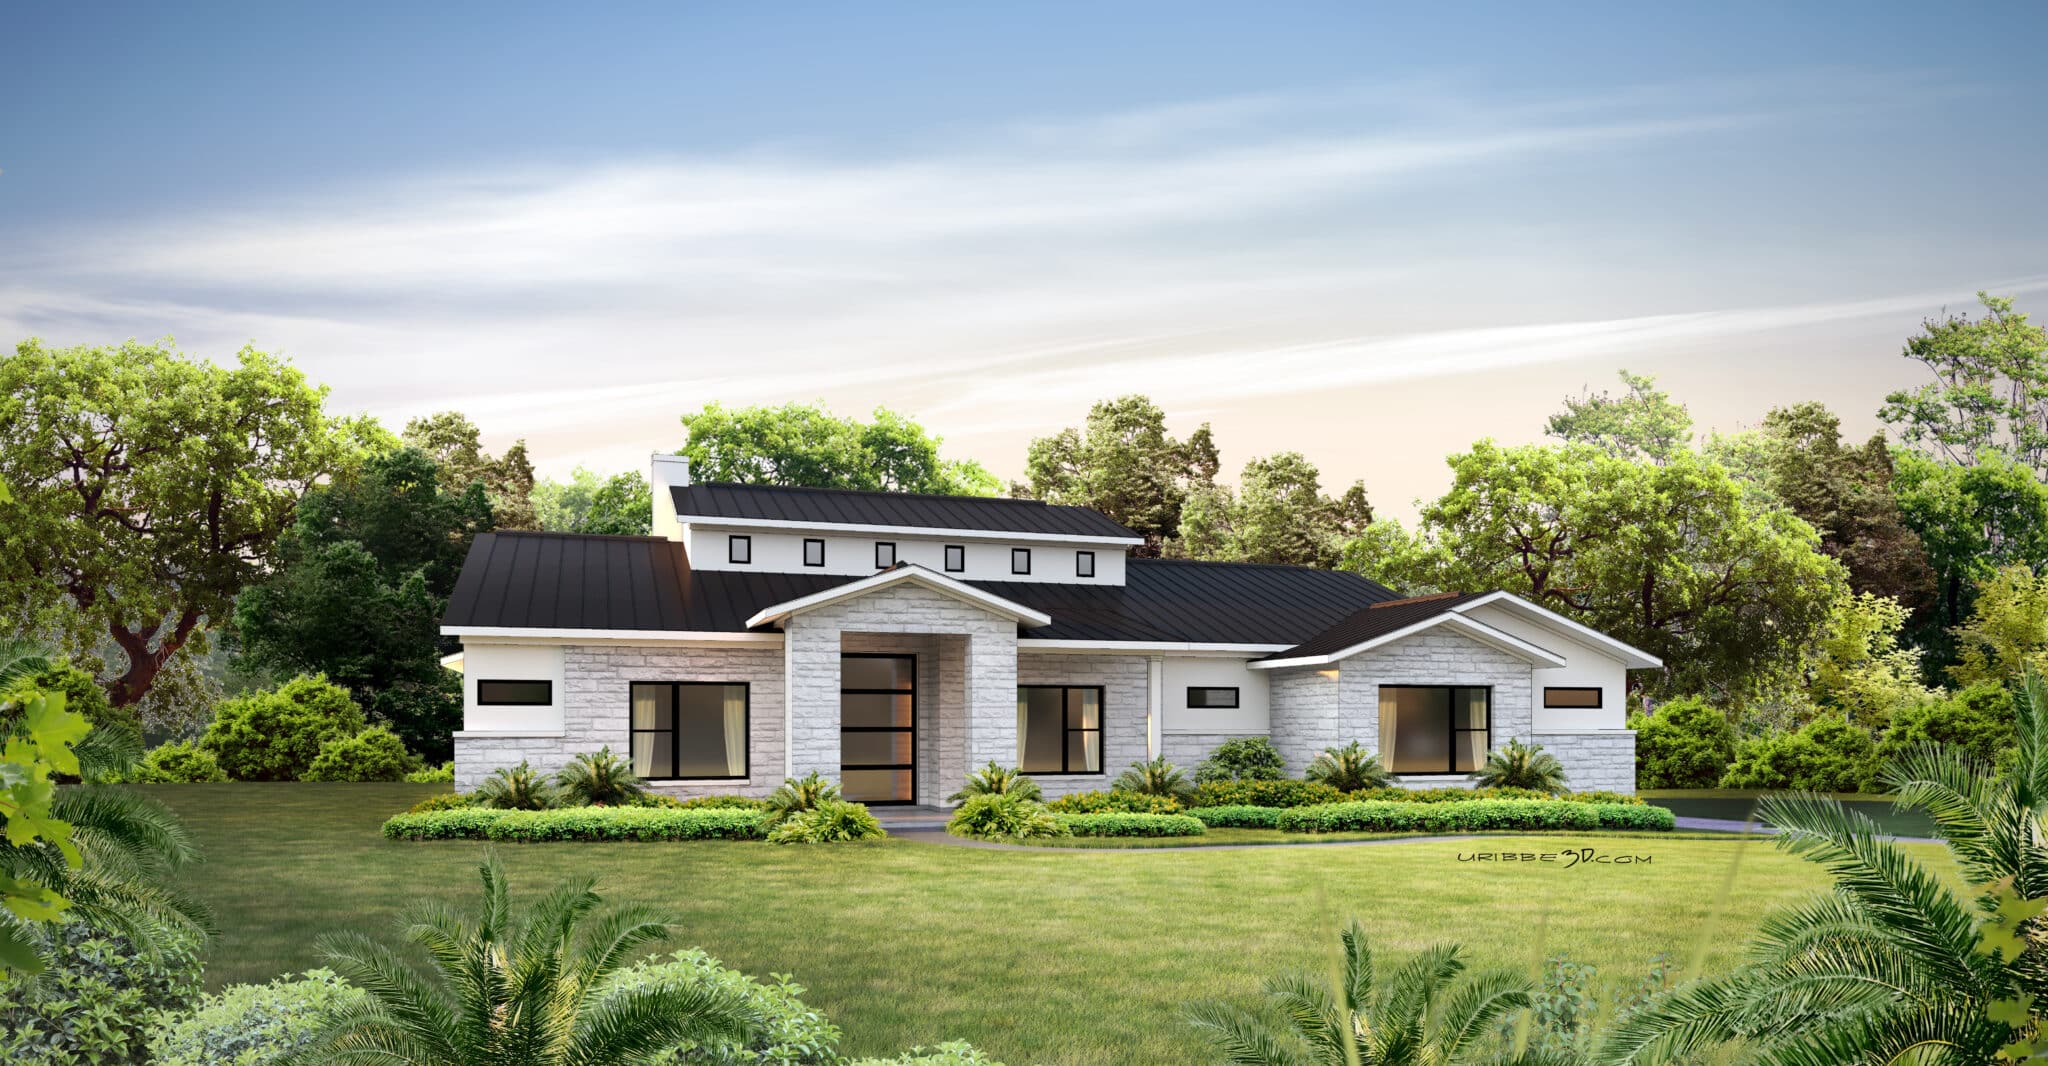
(1586, 666)
(484, 660)
(1251, 716)
(775, 551)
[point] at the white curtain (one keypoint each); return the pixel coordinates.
(1390, 715)
(643, 718)
(735, 730)
(1023, 727)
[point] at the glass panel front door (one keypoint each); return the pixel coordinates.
(878, 728)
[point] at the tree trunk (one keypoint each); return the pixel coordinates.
(145, 662)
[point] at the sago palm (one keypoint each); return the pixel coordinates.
(1425, 1012)
(1156, 778)
(995, 779)
(1890, 965)
(799, 794)
(517, 788)
(595, 777)
(1517, 765)
(1349, 769)
(528, 991)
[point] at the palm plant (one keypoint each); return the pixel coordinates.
(518, 992)
(516, 788)
(1890, 965)
(1156, 778)
(1517, 765)
(799, 794)
(595, 777)
(1349, 769)
(996, 779)
(1425, 1012)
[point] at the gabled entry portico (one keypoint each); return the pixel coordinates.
(960, 647)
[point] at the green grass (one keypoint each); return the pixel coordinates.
(1084, 956)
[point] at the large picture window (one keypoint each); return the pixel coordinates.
(689, 729)
(1059, 729)
(1435, 729)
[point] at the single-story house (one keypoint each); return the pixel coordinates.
(893, 642)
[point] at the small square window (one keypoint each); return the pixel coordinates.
(1020, 560)
(956, 558)
(1084, 564)
(885, 554)
(1224, 698)
(739, 549)
(814, 551)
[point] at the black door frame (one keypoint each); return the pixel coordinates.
(911, 729)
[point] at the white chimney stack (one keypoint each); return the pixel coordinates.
(667, 472)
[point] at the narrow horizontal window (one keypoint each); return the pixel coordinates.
(1212, 696)
(739, 549)
(1571, 697)
(814, 551)
(956, 558)
(515, 693)
(885, 554)
(1084, 564)
(1020, 560)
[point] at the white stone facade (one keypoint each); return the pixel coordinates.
(1595, 760)
(1123, 680)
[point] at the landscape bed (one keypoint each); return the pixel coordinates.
(1076, 956)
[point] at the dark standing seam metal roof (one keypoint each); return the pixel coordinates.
(780, 503)
(1378, 620)
(573, 581)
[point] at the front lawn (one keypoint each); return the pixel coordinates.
(1081, 956)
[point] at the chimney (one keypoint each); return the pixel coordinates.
(667, 472)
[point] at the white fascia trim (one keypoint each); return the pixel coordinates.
(452, 662)
(1153, 647)
(937, 582)
(742, 524)
(1473, 628)
(536, 635)
(1631, 656)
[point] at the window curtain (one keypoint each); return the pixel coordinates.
(735, 730)
(643, 718)
(1023, 728)
(1389, 718)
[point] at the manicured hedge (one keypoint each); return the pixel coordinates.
(580, 823)
(1636, 816)
(1124, 824)
(1239, 816)
(1112, 802)
(1466, 795)
(1265, 794)
(1470, 816)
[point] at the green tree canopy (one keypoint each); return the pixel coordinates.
(1641, 423)
(1989, 395)
(804, 444)
(620, 505)
(1845, 493)
(151, 487)
(1972, 520)
(454, 443)
(1124, 463)
(1279, 514)
(1669, 558)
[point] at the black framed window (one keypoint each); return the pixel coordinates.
(1020, 560)
(1587, 698)
(1059, 729)
(514, 693)
(739, 548)
(1084, 564)
(1212, 696)
(814, 551)
(694, 730)
(1435, 729)
(885, 554)
(956, 558)
(878, 727)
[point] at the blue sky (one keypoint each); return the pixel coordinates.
(1370, 235)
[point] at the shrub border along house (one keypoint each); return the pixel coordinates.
(579, 823)
(1472, 815)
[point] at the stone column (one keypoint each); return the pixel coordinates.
(811, 664)
(991, 711)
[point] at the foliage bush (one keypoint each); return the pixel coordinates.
(785, 1032)
(1519, 765)
(252, 1025)
(1155, 778)
(83, 694)
(1004, 816)
(433, 775)
(799, 794)
(1242, 759)
(1636, 816)
(1462, 795)
(1687, 743)
(827, 823)
(180, 762)
(746, 803)
(1349, 769)
(1099, 802)
(996, 779)
(578, 823)
(951, 1053)
(375, 754)
(1977, 722)
(517, 788)
(275, 735)
(1121, 824)
(1473, 815)
(599, 777)
(1237, 816)
(1825, 755)
(99, 998)
(1280, 793)
(443, 801)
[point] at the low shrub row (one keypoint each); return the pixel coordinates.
(1461, 795)
(1240, 816)
(1315, 793)
(1113, 801)
(1281, 793)
(578, 823)
(1381, 816)
(1126, 824)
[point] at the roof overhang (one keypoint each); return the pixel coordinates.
(901, 574)
(452, 662)
(557, 635)
(721, 522)
(1449, 620)
(1632, 657)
